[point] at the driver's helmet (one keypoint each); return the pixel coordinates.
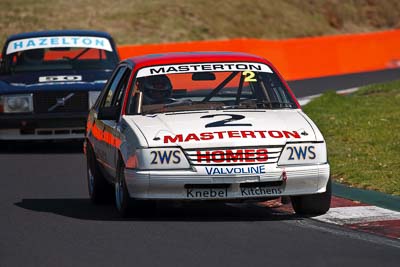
(33, 57)
(156, 89)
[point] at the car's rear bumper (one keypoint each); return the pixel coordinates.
(43, 126)
(186, 185)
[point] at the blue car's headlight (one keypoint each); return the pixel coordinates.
(21, 103)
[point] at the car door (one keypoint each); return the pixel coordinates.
(104, 142)
(112, 130)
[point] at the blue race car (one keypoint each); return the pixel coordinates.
(50, 79)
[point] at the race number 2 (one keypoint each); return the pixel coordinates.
(249, 76)
(226, 122)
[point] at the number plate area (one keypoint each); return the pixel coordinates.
(262, 189)
(243, 190)
(206, 191)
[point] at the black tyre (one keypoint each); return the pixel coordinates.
(127, 206)
(100, 191)
(316, 204)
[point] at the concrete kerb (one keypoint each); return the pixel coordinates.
(367, 196)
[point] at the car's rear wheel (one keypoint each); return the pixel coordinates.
(100, 191)
(316, 204)
(126, 205)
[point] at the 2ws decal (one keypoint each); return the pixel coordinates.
(165, 157)
(310, 153)
(301, 152)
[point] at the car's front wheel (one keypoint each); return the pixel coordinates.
(316, 204)
(100, 191)
(127, 206)
(123, 201)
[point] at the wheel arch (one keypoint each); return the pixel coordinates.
(127, 152)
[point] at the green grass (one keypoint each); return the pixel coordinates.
(362, 131)
(155, 21)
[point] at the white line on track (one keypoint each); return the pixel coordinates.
(304, 100)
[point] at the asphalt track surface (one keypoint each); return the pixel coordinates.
(302, 88)
(46, 219)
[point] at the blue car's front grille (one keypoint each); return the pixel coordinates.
(64, 101)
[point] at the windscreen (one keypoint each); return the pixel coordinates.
(210, 86)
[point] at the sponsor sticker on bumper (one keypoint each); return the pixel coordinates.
(203, 193)
(245, 192)
(260, 191)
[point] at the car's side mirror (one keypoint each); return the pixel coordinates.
(108, 113)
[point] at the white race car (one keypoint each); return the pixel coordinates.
(203, 126)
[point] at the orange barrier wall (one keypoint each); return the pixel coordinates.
(304, 57)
